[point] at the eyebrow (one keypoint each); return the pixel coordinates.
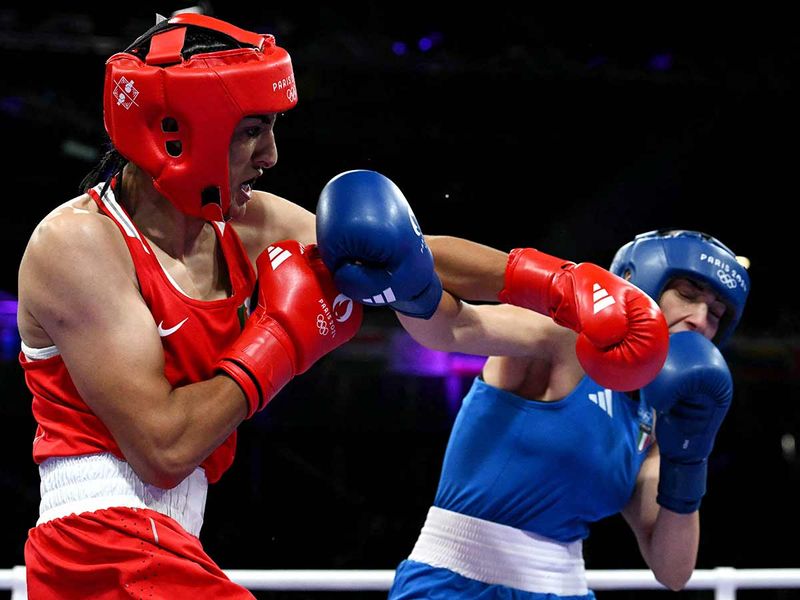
(705, 287)
(698, 286)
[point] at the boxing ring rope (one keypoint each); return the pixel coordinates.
(723, 580)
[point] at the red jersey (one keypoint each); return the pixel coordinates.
(193, 333)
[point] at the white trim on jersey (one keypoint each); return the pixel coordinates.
(38, 353)
(110, 202)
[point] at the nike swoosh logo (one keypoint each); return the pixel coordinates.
(165, 332)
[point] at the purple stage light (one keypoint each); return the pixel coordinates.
(411, 358)
(661, 62)
(11, 105)
(9, 334)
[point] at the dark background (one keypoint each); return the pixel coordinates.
(567, 132)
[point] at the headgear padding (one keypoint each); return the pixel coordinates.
(175, 117)
(654, 258)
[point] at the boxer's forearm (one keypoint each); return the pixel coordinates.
(468, 270)
(485, 330)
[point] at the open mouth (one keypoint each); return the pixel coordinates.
(247, 187)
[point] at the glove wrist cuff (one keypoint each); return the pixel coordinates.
(681, 486)
(528, 278)
(424, 304)
(261, 362)
(248, 385)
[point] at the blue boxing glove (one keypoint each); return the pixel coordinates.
(370, 240)
(691, 396)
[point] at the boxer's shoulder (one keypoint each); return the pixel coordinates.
(73, 227)
(269, 218)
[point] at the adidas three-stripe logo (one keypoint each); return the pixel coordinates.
(601, 298)
(277, 255)
(603, 400)
(385, 297)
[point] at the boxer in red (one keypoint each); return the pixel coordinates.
(140, 346)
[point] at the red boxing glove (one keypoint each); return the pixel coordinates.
(300, 317)
(623, 339)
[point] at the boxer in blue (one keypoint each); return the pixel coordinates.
(545, 443)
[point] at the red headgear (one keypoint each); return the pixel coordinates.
(175, 118)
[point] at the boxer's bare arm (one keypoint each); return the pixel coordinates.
(78, 284)
(486, 330)
(270, 218)
(469, 270)
(668, 541)
(529, 354)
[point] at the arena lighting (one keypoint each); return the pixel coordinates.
(427, 42)
(661, 62)
(410, 358)
(75, 149)
(9, 335)
(399, 48)
(789, 447)
(12, 105)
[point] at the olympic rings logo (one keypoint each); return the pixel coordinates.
(322, 325)
(291, 94)
(726, 279)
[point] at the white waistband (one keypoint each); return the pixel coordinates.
(38, 353)
(501, 555)
(79, 484)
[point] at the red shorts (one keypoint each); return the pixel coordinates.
(121, 553)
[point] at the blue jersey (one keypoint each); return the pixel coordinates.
(551, 468)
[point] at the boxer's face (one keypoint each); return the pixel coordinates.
(690, 305)
(252, 150)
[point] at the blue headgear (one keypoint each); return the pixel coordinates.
(654, 258)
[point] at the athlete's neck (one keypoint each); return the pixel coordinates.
(176, 233)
